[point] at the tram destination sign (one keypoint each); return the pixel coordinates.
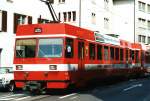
(38, 30)
(106, 39)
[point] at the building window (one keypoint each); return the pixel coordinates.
(148, 40)
(93, 18)
(74, 15)
(69, 16)
(148, 25)
(139, 38)
(142, 22)
(106, 23)
(29, 19)
(143, 39)
(61, 1)
(51, 1)
(10, 1)
(65, 16)
(3, 21)
(106, 6)
(141, 6)
(148, 8)
(20, 19)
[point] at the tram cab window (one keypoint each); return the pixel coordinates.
(50, 48)
(99, 52)
(69, 48)
(121, 54)
(117, 54)
(92, 51)
(112, 55)
(25, 48)
(106, 55)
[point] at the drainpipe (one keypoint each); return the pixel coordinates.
(79, 13)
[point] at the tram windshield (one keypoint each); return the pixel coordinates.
(47, 48)
(25, 48)
(51, 47)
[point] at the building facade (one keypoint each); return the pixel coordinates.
(132, 20)
(95, 15)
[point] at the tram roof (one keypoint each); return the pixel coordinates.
(54, 28)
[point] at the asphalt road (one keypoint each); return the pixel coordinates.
(131, 90)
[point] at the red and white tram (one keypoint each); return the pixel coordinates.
(55, 56)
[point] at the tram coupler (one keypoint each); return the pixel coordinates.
(33, 87)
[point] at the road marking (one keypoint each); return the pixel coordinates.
(22, 98)
(6, 99)
(35, 98)
(67, 95)
(74, 97)
(7, 96)
(133, 86)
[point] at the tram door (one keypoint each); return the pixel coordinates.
(81, 55)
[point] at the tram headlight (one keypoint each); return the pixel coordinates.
(53, 67)
(19, 67)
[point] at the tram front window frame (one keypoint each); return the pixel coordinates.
(54, 50)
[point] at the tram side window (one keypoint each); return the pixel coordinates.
(92, 51)
(112, 55)
(106, 55)
(130, 53)
(136, 56)
(69, 48)
(127, 54)
(147, 56)
(121, 55)
(133, 55)
(99, 52)
(117, 54)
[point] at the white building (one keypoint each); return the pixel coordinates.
(132, 20)
(95, 15)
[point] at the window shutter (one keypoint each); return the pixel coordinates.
(15, 22)
(29, 19)
(4, 21)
